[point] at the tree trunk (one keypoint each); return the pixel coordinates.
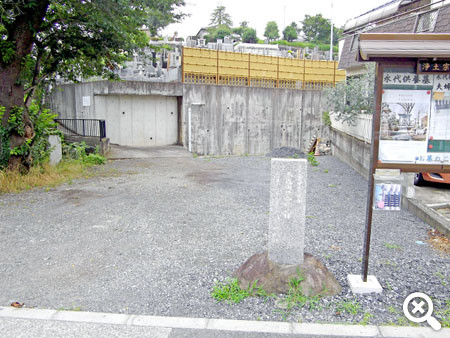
(12, 95)
(22, 31)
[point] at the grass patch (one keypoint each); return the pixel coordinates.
(295, 297)
(45, 176)
(388, 263)
(388, 286)
(230, 291)
(75, 165)
(403, 321)
(444, 315)
(442, 278)
(366, 318)
(350, 307)
(312, 159)
(392, 246)
(392, 310)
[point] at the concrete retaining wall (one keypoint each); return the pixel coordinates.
(349, 149)
(67, 100)
(225, 120)
(245, 120)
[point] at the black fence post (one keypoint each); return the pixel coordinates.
(102, 129)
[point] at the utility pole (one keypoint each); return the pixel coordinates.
(331, 33)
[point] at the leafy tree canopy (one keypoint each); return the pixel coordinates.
(219, 32)
(249, 35)
(317, 29)
(271, 32)
(290, 32)
(239, 30)
(220, 17)
(162, 14)
(243, 24)
(72, 38)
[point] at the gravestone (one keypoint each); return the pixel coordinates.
(287, 210)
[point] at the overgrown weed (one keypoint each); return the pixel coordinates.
(43, 176)
(230, 291)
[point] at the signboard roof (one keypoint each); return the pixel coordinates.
(395, 45)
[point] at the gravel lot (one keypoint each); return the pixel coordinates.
(151, 236)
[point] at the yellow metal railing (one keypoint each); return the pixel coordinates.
(206, 66)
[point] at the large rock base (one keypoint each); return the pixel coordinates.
(274, 278)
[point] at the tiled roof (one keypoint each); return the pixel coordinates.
(443, 20)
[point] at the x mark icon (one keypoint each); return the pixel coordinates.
(418, 307)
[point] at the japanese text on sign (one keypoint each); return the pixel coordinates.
(432, 66)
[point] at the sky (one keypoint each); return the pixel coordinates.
(259, 12)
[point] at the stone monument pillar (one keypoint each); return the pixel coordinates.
(273, 270)
(287, 210)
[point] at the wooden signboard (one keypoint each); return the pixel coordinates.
(412, 119)
(411, 126)
(411, 122)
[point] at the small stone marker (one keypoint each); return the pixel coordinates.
(287, 210)
(56, 149)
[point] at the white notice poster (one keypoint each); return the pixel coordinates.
(404, 124)
(86, 101)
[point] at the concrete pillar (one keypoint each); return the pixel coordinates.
(408, 185)
(287, 210)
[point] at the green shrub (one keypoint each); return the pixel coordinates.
(326, 118)
(312, 159)
(94, 159)
(78, 151)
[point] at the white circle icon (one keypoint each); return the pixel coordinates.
(418, 308)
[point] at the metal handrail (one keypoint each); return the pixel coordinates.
(82, 127)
